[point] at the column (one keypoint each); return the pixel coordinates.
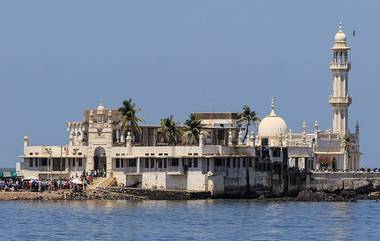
(109, 167)
(67, 164)
(138, 165)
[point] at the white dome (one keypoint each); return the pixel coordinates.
(100, 107)
(272, 125)
(340, 36)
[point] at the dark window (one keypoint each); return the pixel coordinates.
(146, 163)
(73, 160)
(250, 162)
(175, 162)
(264, 142)
(229, 163)
(43, 161)
(244, 163)
(117, 163)
(152, 163)
(80, 162)
(238, 162)
(195, 162)
(31, 162)
(234, 162)
(132, 163)
(219, 162)
(165, 162)
(159, 163)
(276, 152)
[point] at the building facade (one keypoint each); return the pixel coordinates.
(219, 162)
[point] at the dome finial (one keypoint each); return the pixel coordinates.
(340, 26)
(273, 113)
(101, 106)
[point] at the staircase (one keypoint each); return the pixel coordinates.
(103, 182)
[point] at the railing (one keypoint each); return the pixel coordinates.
(340, 65)
(337, 100)
(131, 169)
(174, 169)
(329, 149)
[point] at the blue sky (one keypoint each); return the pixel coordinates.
(58, 58)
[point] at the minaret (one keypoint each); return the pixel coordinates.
(340, 66)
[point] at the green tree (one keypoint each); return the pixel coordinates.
(170, 131)
(248, 117)
(129, 120)
(193, 128)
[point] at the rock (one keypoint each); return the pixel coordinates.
(310, 196)
(375, 195)
(365, 189)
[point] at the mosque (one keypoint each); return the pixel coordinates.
(335, 149)
(220, 159)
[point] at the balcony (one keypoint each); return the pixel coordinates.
(340, 100)
(340, 66)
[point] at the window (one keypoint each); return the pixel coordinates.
(36, 162)
(244, 163)
(233, 162)
(31, 162)
(238, 162)
(122, 163)
(195, 163)
(100, 118)
(250, 162)
(43, 161)
(73, 160)
(276, 152)
(132, 163)
(159, 163)
(229, 162)
(152, 163)
(117, 163)
(175, 162)
(219, 162)
(165, 162)
(80, 162)
(146, 163)
(264, 142)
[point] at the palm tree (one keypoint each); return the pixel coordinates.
(170, 131)
(193, 127)
(129, 120)
(248, 117)
(346, 145)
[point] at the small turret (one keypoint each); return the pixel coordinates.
(26, 141)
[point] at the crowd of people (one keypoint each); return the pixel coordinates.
(36, 185)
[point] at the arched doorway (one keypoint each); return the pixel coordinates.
(100, 161)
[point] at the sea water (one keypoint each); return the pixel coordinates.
(189, 220)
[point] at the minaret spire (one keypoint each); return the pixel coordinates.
(273, 112)
(340, 66)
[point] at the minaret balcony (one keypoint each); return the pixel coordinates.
(347, 100)
(340, 66)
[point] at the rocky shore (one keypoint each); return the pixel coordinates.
(361, 193)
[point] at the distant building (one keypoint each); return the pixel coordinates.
(218, 162)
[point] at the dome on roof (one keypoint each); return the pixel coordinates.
(100, 107)
(340, 36)
(272, 125)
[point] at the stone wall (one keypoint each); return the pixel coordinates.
(341, 181)
(331, 182)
